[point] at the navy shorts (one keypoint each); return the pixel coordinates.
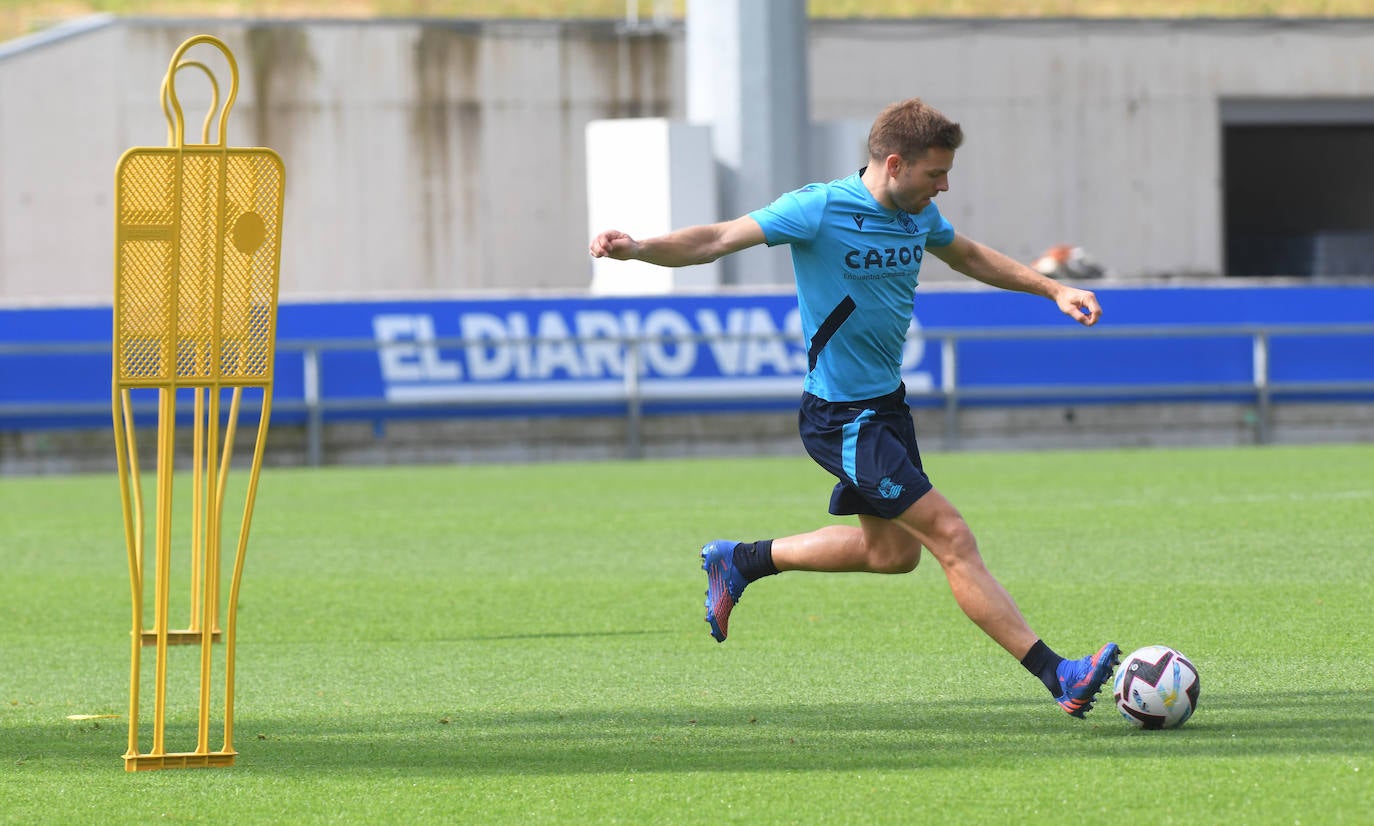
(870, 446)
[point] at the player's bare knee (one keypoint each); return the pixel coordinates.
(895, 560)
(955, 544)
(908, 561)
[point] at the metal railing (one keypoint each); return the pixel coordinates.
(1261, 387)
(631, 393)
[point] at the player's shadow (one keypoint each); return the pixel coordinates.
(740, 736)
(554, 635)
(817, 736)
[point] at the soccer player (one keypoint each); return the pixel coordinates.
(857, 245)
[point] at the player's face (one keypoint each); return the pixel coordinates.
(914, 183)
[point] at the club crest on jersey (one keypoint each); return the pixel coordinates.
(908, 223)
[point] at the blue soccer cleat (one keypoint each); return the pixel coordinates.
(1080, 680)
(724, 584)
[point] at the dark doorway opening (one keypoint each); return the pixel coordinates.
(1299, 198)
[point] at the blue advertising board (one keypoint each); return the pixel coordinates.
(704, 352)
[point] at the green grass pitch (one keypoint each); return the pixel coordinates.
(525, 645)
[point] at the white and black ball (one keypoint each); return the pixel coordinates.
(1156, 687)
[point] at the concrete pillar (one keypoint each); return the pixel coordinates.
(747, 79)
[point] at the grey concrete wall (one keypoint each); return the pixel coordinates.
(1105, 134)
(420, 157)
(448, 156)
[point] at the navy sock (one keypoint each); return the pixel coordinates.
(754, 560)
(1043, 663)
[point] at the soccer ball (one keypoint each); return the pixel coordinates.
(1156, 687)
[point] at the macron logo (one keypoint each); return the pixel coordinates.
(859, 220)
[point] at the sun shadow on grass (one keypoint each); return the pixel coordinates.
(738, 737)
(810, 737)
(554, 635)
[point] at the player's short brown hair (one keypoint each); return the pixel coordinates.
(910, 127)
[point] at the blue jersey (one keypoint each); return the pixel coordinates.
(856, 264)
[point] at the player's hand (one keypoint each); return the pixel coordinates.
(1080, 305)
(614, 244)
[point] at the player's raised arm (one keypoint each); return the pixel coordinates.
(683, 247)
(986, 264)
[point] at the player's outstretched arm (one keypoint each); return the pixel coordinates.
(992, 267)
(683, 247)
